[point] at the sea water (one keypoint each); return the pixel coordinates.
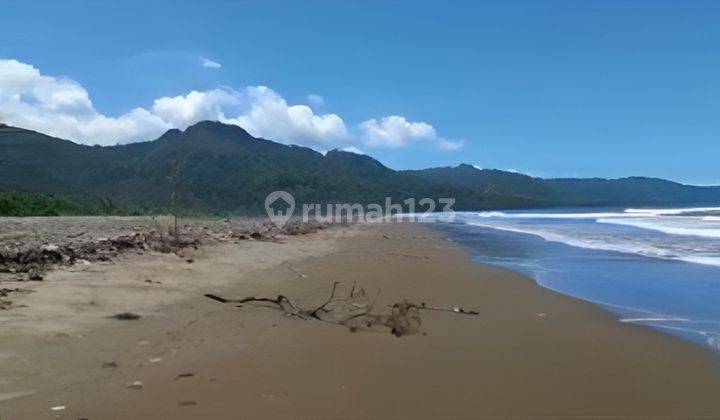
(655, 267)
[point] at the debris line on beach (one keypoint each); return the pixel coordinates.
(356, 311)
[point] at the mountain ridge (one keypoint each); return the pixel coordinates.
(216, 167)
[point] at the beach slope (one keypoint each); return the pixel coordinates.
(529, 353)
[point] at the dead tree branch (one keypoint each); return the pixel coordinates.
(330, 299)
(354, 312)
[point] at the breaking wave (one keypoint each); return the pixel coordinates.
(688, 234)
(654, 267)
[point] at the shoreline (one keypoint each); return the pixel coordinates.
(601, 306)
(615, 281)
(531, 351)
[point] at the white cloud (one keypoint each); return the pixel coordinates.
(396, 131)
(268, 115)
(62, 107)
(206, 62)
(182, 111)
(316, 100)
(353, 149)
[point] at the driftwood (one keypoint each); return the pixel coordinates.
(456, 310)
(282, 303)
(354, 312)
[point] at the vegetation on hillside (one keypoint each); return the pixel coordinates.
(27, 204)
(214, 168)
(573, 192)
(17, 204)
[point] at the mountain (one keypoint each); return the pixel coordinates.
(210, 167)
(573, 192)
(214, 167)
(485, 180)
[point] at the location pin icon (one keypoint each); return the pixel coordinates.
(279, 206)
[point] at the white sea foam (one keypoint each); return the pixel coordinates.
(652, 219)
(673, 211)
(672, 225)
(679, 245)
(595, 215)
(504, 215)
(705, 260)
(691, 235)
(658, 319)
(599, 244)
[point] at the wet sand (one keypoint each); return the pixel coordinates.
(530, 353)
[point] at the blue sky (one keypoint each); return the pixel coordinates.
(556, 88)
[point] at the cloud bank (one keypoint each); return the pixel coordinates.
(62, 108)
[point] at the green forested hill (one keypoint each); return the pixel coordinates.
(211, 167)
(218, 168)
(568, 192)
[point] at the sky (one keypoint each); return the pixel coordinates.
(548, 88)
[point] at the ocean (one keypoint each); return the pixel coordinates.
(655, 267)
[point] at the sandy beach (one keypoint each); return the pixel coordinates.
(530, 353)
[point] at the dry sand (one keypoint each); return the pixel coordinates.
(530, 353)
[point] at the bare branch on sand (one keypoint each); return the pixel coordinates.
(354, 311)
